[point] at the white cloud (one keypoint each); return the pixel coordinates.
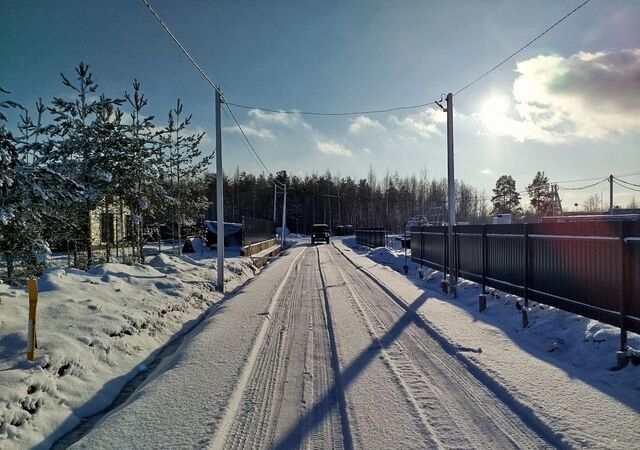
(363, 123)
(426, 123)
(586, 96)
(332, 148)
(251, 131)
(486, 171)
(274, 118)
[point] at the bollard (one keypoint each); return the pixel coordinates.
(482, 299)
(525, 318)
(32, 287)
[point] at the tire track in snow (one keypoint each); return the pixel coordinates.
(233, 408)
(461, 411)
(288, 399)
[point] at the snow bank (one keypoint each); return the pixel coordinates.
(96, 330)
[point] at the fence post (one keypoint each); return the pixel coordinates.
(421, 253)
(482, 298)
(484, 258)
(526, 264)
(456, 241)
(626, 284)
(445, 256)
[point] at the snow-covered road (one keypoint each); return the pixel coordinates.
(343, 365)
(314, 354)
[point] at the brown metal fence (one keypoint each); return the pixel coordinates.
(257, 230)
(371, 237)
(587, 268)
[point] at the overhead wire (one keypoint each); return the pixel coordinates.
(422, 105)
(184, 50)
(342, 113)
(211, 83)
(626, 187)
(556, 23)
(582, 187)
(626, 182)
(250, 148)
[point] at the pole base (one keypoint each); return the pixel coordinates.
(622, 359)
(482, 302)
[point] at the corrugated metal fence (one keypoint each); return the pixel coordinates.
(257, 230)
(371, 237)
(587, 268)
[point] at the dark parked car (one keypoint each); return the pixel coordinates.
(320, 233)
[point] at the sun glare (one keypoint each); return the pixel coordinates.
(495, 107)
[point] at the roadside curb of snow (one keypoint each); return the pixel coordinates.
(523, 410)
(64, 387)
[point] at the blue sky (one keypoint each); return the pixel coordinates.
(568, 105)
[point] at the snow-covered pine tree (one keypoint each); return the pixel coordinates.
(82, 150)
(28, 187)
(183, 162)
(140, 163)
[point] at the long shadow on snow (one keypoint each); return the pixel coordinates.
(432, 286)
(331, 401)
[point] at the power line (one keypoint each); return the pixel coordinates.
(626, 182)
(345, 113)
(250, 148)
(468, 85)
(626, 187)
(211, 83)
(582, 187)
(399, 108)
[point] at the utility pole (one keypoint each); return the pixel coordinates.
(284, 217)
(452, 193)
(219, 199)
(610, 194)
(453, 279)
(275, 198)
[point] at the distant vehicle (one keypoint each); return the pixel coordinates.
(501, 219)
(320, 233)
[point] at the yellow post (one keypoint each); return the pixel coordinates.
(32, 287)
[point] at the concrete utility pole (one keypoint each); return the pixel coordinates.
(275, 199)
(219, 199)
(284, 217)
(453, 279)
(610, 194)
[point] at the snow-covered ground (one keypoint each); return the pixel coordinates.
(323, 349)
(558, 370)
(96, 330)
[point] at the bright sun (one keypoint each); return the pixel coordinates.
(495, 108)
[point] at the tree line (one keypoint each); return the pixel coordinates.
(62, 161)
(390, 201)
